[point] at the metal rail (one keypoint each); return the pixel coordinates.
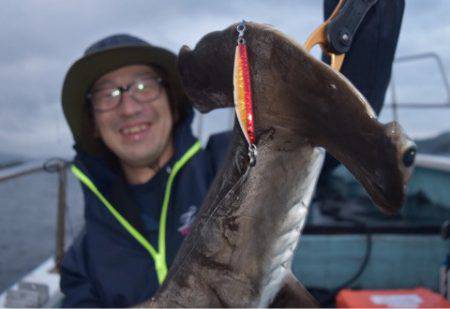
(395, 105)
(435, 162)
(20, 170)
(55, 165)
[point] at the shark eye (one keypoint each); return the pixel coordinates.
(409, 156)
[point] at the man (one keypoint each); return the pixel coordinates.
(143, 173)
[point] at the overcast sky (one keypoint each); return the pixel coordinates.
(40, 39)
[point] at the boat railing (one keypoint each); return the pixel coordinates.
(439, 163)
(395, 104)
(53, 165)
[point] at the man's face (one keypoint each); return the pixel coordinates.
(137, 132)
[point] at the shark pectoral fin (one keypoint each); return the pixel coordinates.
(293, 295)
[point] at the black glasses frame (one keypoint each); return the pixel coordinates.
(122, 90)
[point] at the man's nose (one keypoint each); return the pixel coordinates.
(129, 106)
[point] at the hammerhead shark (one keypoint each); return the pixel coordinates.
(240, 250)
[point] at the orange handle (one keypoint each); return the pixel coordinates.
(318, 37)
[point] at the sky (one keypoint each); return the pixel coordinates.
(40, 39)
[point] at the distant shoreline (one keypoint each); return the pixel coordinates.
(437, 145)
(10, 164)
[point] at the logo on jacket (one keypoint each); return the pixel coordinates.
(186, 220)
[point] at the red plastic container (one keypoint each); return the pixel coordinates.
(413, 298)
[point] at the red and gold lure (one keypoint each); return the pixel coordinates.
(243, 93)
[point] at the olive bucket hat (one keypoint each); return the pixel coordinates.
(100, 58)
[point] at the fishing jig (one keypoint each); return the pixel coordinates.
(243, 93)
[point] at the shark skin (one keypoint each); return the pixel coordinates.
(240, 250)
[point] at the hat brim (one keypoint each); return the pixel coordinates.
(84, 72)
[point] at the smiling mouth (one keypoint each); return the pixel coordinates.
(135, 132)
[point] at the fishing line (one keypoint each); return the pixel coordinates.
(329, 300)
(242, 94)
(211, 216)
(367, 255)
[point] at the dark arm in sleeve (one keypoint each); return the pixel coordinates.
(368, 64)
(75, 284)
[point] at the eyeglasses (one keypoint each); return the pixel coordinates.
(143, 90)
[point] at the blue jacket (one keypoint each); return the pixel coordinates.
(106, 266)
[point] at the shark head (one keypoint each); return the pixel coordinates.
(308, 100)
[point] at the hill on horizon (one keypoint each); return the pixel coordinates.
(439, 145)
(7, 160)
